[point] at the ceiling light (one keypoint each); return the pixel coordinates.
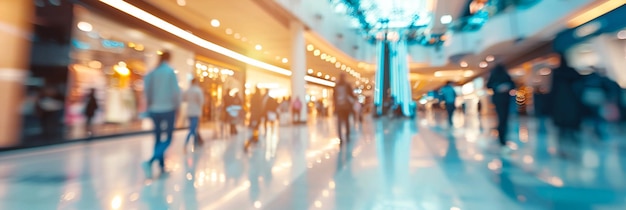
(181, 3)
(468, 73)
(316, 52)
(446, 19)
(237, 36)
(343, 67)
(621, 34)
(215, 23)
(310, 47)
(277, 57)
(244, 39)
(85, 26)
(490, 58)
(323, 56)
(333, 79)
(348, 69)
(229, 31)
(319, 74)
(483, 64)
(464, 64)
(285, 60)
(258, 47)
(310, 71)
(333, 60)
(545, 71)
(327, 77)
(338, 65)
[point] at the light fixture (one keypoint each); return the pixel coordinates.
(215, 23)
(621, 34)
(338, 65)
(181, 3)
(229, 31)
(333, 79)
(464, 64)
(316, 52)
(237, 36)
(84, 26)
(327, 77)
(310, 71)
(545, 71)
(343, 67)
(310, 47)
(333, 60)
(244, 39)
(258, 47)
(483, 64)
(285, 60)
(468, 73)
(323, 56)
(446, 19)
(490, 58)
(319, 74)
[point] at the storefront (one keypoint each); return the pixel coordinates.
(111, 59)
(217, 80)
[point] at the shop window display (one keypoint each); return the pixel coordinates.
(217, 82)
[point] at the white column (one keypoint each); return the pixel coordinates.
(15, 32)
(298, 65)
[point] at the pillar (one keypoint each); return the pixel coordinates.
(15, 33)
(298, 65)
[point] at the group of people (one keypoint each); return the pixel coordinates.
(572, 98)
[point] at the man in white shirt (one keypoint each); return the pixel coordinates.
(163, 98)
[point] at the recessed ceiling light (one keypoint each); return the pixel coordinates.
(258, 47)
(244, 39)
(215, 23)
(490, 58)
(338, 65)
(316, 52)
(310, 71)
(327, 77)
(323, 56)
(285, 60)
(181, 2)
(229, 31)
(483, 64)
(85, 26)
(237, 36)
(446, 19)
(310, 47)
(319, 74)
(343, 67)
(464, 64)
(621, 34)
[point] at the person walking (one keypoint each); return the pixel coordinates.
(257, 113)
(195, 100)
(565, 104)
(90, 111)
(296, 108)
(233, 110)
(501, 83)
(449, 97)
(271, 110)
(163, 98)
(343, 98)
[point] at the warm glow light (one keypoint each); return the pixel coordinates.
(310, 71)
(181, 3)
(229, 31)
(84, 26)
(215, 23)
(257, 204)
(343, 67)
(116, 203)
(319, 74)
(323, 56)
(237, 36)
(316, 52)
(446, 19)
(483, 64)
(319, 81)
(285, 60)
(338, 65)
(310, 47)
(621, 34)
(327, 77)
(464, 64)
(258, 47)
(490, 58)
(595, 12)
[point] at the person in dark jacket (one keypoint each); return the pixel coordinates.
(257, 112)
(90, 111)
(343, 99)
(232, 109)
(566, 106)
(501, 83)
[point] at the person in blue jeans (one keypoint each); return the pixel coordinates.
(449, 97)
(195, 100)
(163, 98)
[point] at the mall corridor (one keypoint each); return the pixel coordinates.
(390, 164)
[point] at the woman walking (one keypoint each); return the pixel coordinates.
(195, 100)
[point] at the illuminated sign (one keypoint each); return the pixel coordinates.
(112, 44)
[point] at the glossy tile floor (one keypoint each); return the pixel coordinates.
(390, 164)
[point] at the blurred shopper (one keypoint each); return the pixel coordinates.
(163, 98)
(257, 113)
(271, 110)
(233, 112)
(501, 83)
(90, 111)
(195, 100)
(449, 98)
(566, 107)
(344, 100)
(601, 96)
(358, 112)
(296, 108)
(50, 111)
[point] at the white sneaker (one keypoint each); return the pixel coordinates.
(147, 169)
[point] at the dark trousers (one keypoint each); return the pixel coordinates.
(503, 103)
(193, 130)
(450, 109)
(160, 118)
(343, 120)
